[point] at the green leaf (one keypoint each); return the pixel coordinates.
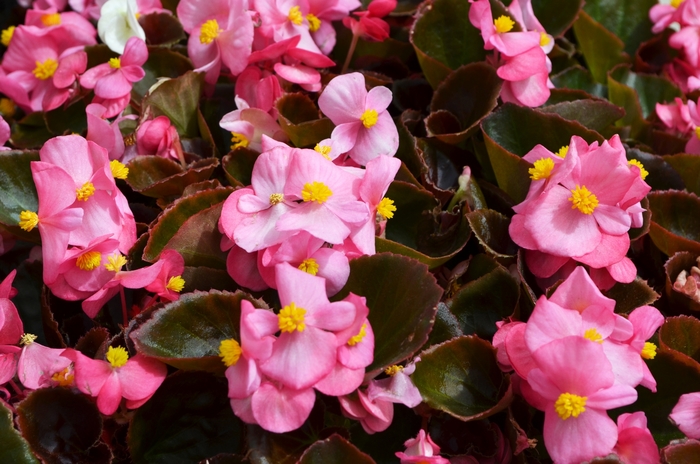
(188, 419)
(662, 176)
(556, 16)
(162, 29)
(401, 309)
(161, 62)
(65, 120)
(238, 166)
(335, 449)
(410, 202)
(596, 114)
(446, 326)
(462, 378)
(491, 229)
(62, 425)
(177, 216)
(300, 120)
(631, 296)
(186, 333)
(600, 47)
(682, 334)
(30, 132)
(13, 448)
(159, 177)
(178, 99)
(682, 261)
(17, 189)
(688, 167)
(627, 19)
(674, 226)
(444, 38)
(579, 78)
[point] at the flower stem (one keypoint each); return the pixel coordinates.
(124, 313)
(351, 51)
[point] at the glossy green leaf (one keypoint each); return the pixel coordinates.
(595, 114)
(162, 62)
(384, 245)
(677, 299)
(462, 378)
(556, 16)
(178, 99)
(579, 78)
(186, 333)
(13, 448)
(238, 166)
(688, 167)
(632, 295)
(674, 227)
(491, 229)
(17, 189)
(171, 221)
(401, 309)
(682, 334)
(30, 132)
(301, 121)
(410, 202)
(188, 419)
(662, 176)
(205, 279)
(627, 19)
(162, 29)
(159, 177)
(600, 47)
(446, 326)
(335, 449)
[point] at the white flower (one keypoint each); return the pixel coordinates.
(118, 24)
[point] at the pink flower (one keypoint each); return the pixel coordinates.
(675, 116)
(398, 387)
(73, 23)
(38, 364)
(136, 379)
(321, 15)
(645, 321)
(157, 137)
(5, 134)
(421, 450)
(104, 133)
(370, 25)
(257, 89)
(362, 122)
(635, 444)
(374, 416)
(662, 15)
(686, 414)
(11, 328)
(249, 125)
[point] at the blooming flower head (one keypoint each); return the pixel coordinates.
(421, 450)
(118, 23)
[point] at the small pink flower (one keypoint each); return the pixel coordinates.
(370, 25)
(374, 416)
(104, 133)
(398, 387)
(635, 444)
(421, 450)
(38, 364)
(157, 137)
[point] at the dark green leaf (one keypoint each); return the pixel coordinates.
(579, 78)
(17, 190)
(410, 202)
(674, 226)
(178, 99)
(596, 114)
(681, 333)
(688, 167)
(556, 16)
(300, 120)
(627, 19)
(13, 448)
(336, 450)
(159, 177)
(161, 62)
(446, 326)
(67, 120)
(30, 132)
(600, 47)
(238, 166)
(491, 229)
(631, 296)
(162, 29)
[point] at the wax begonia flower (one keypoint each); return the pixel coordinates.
(73, 23)
(104, 133)
(9, 355)
(421, 450)
(686, 415)
(675, 116)
(374, 416)
(11, 327)
(118, 23)
(4, 134)
(37, 363)
(157, 137)
(370, 25)
(283, 19)
(663, 15)
(257, 89)
(687, 39)
(119, 376)
(398, 387)
(320, 16)
(645, 320)
(693, 145)
(361, 117)
(249, 125)
(635, 444)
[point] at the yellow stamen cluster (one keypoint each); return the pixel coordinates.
(6, 36)
(115, 63)
(310, 266)
(314, 22)
(89, 260)
(541, 169)
(649, 351)
(643, 172)
(52, 19)
(583, 199)
(593, 335)
(238, 140)
(325, 150)
(360, 335)
(568, 405)
(130, 139)
(209, 31)
(28, 220)
(115, 262)
(369, 118)
(676, 3)
(503, 24)
(119, 171)
(117, 357)
(85, 192)
(563, 151)
(230, 352)
(386, 208)
(276, 198)
(316, 191)
(393, 370)
(176, 284)
(27, 339)
(45, 69)
(291, 318)
(544, 39)
(7, 107)
(63, 378)
(295, 15)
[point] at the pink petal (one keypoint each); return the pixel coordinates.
(242, 267)
(610, 250)
(140, 377)
(341, 381)
(110, 395)
(281, 410)
(578, 439)
(579, 292)
(382, 139)
(612, 220)
(549, 322)
(243, 378)
(686, 414)
(37, 363)
(343, 99)
(623, 271)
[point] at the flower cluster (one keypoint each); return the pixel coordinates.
(575, 359)
(582, 201)
(681, 15)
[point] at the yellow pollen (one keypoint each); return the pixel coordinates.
(541, 169)
(238, 140)
(325, 150)
(85, 192)
(360, 335)
(544, 39)
(230, 352)
(7, 107)
(291, 318)
(369, 118)
(137, 15)
(309, 265)
(649, 351)
(89, 260)
(7, 35)
(568, 405)
(676, 3)
(276, 198)
(119, 171)
(115, 63)
(63, 378)
(176, 284)
(28, 220)
(593, 335)
(314, 22)
(643, 172)
(117, 357)
(316, 191)
(209, 31)
(27, 339)
(115, 263)
(583, 199)
(393, 370)
(130, 139)
(53, 19)
(503, 24)
(386, 208)
(295, 15)
(45, 69)
(563, 151)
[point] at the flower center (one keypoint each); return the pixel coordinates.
(316, 191)
(291, 318)
(563, 151)
(130, 139)
(7, 35)
(117, 357)
(115, 262)
(393, 370)
(115, 63)
(314, 22)
(27, 339)
(53, 19)
(209, 31)
(541, 169)
(325, 150)
(230, 352)
(238, 140)
(642, 172)
(593, 335)
(310, 266)
(28, 220)
(89, 260)
(676, 3)
(45, 69)
(568, 405)
(119, 171)
(369, 118)
(7, 107)
(63, 378)
(295, 15)
(85, 192)
(386, 208)
(276, 198)
(583, 199)
(649, 351)
(360, 335)
(176, 284)
(544, 39)
(503, 24)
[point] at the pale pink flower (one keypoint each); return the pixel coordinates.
(73, 23)
(104, 133)
(398, 387)
(370, 25)
(249, 125)
(686, 414)
(157, 137)
(663, 15)
(37, 364)
(635, 444)
(421, 450)
(374, 416)
(645, 320)
(675, 116)
(256, 88)
(321, 15)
